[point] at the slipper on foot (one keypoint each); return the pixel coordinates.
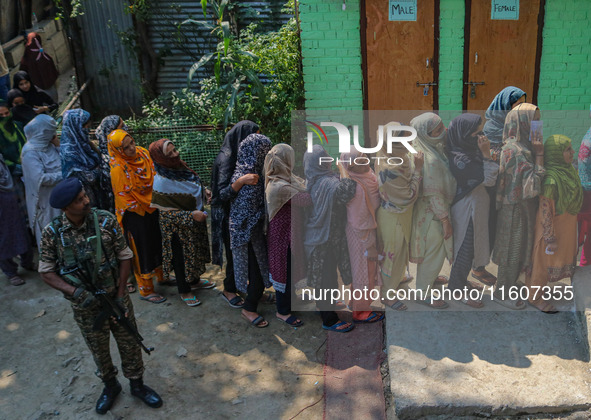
(292, 321)
(477, 304)
(235, 302)
(153, 298)
(336, 326)
(435, 304)
(258, 322)
(547, 308)
(509, 303)
(441, 280)
(203, 284)
(17, 281)
(373, 317)
(268, 298)
(193, 299)
(486, 278)
(398, 306)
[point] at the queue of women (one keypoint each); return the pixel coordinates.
(475, 189)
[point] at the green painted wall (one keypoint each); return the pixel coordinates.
(331, 50)
(331, 54)
(451, 54)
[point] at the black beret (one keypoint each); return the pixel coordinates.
(64, 193)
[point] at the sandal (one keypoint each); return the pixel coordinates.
(397, 306)
(130, 287)
(340, 306)
(269, 298)
(373, 317)
(202, 284)
(336, 326)
(477, 304)
(153, 298)
(437, 304)
(17, 281)
(292, 321)
(441, 280)
(484, 277)
(193, 299)
(546, 308)
(407, 278)
(258, 322)
(235, 302)
(509, 303)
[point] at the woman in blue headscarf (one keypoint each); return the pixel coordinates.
(505, 101)
(41, 171)
(80, 159)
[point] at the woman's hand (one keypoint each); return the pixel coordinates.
(41, 109)
(447, 228)
(208, 195)
(484, 146)
(419, 159)
(537, 144)
(199, 216)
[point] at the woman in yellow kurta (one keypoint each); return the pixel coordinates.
(399, 178)
(555, 240)
(132, 178)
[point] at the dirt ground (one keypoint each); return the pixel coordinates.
(208, 362)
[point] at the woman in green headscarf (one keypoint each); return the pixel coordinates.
(12, 140)
(555, 240)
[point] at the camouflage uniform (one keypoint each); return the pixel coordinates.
(115, 249)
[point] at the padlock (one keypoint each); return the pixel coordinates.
(473, 91)
(426, 91)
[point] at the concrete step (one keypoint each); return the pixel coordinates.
(491, 361)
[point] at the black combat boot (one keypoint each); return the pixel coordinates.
(107, 398)
(145, 393)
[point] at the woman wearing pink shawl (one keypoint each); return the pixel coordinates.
(362, 232)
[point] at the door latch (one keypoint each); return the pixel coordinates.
(473, 88)
(426, 87)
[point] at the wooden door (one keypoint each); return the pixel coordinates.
(398, 55)
(500, 53)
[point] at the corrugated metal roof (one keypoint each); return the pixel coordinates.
(178, 57)
(116, 80)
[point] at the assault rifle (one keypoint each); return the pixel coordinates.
(110, 308)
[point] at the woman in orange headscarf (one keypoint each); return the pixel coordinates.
(132, 178)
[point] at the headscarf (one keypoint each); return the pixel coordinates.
(176, 186)
(585, 162)
(437, 178)
(6, 183)
(516, 142)
(322, 185)
(362, 215)
(465, 159)
(107, 125)
(22, 113)
(394, 180)
(281, 184)
(12, 140)
(38, 63)
(134, 191)
(225, 162)
(561, 181)
(518, 124)
(248, 208)
(75, 148)
(33, 96)
(497, 111)
(40, 131)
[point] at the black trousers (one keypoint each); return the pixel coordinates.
(284, 299)
(229, 282)
(178, 263)
(256, 286)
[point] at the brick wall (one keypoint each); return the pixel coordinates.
(331, 54)
(451, 54)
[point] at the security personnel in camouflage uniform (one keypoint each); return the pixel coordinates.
(67, 243)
